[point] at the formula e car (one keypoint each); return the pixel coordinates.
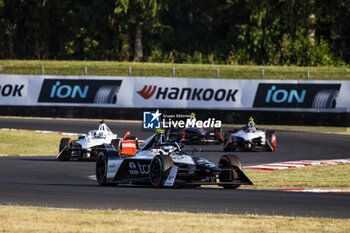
(87, 146)
(165, 164)
(250, 138)
(195, 135)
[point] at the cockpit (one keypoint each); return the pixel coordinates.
(250, 127)
(157, 141)
(102, 131)
(153, 141)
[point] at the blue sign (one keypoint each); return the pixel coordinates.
(151, 120)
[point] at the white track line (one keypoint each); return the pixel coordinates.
(316, 190)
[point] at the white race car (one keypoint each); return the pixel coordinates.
(250, 138)
(164, 164)
(87, 146)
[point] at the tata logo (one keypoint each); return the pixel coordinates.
(151, 120)
(282, 95)
(298, 95)
(79, 91)
(132, 165)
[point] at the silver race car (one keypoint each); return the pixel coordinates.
(87, 146)
(250, 138)
(165, 164)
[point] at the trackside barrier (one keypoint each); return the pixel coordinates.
(228, 96)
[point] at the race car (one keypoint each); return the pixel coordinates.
(195, 135)
(87, 146)
(165, 164)
(250, 138)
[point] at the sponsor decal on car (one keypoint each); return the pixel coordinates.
(277, 95)
(79, 91)
(129, 147)
(144, 168)
(136, 168)
(133, 169)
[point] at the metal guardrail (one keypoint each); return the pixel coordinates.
(179, 72)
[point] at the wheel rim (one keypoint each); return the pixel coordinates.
(155, 171)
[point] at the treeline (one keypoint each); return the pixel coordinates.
(276, 32)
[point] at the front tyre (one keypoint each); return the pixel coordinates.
(101, 169)
(160, 168)
(66, 154)
(229, 162)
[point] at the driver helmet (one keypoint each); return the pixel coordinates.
(251, 125)
(168, 149)
(100, 135)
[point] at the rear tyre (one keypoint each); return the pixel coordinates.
(229, 162)
(66, 154)
(160, 168)
(117, 146)
(271, 143)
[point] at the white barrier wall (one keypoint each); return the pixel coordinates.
(144, 92)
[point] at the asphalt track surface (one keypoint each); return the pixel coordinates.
(43, 181)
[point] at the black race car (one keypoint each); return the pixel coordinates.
(165, 164)
(195, 135)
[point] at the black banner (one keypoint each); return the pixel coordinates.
(296, 95)
(79, 91)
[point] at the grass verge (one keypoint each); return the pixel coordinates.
(19, 143)
(109, 68)
(33, 219)
(323, 177)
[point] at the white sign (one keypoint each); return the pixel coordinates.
(184, 93)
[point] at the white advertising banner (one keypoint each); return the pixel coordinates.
(192, 93)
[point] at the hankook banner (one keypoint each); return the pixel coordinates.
(193, 93)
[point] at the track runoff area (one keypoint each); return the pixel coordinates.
(61, 184)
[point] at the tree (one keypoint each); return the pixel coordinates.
(140, 15)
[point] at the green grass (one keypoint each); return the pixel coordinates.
(19, 143)
(323, 176)
(104, 68)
